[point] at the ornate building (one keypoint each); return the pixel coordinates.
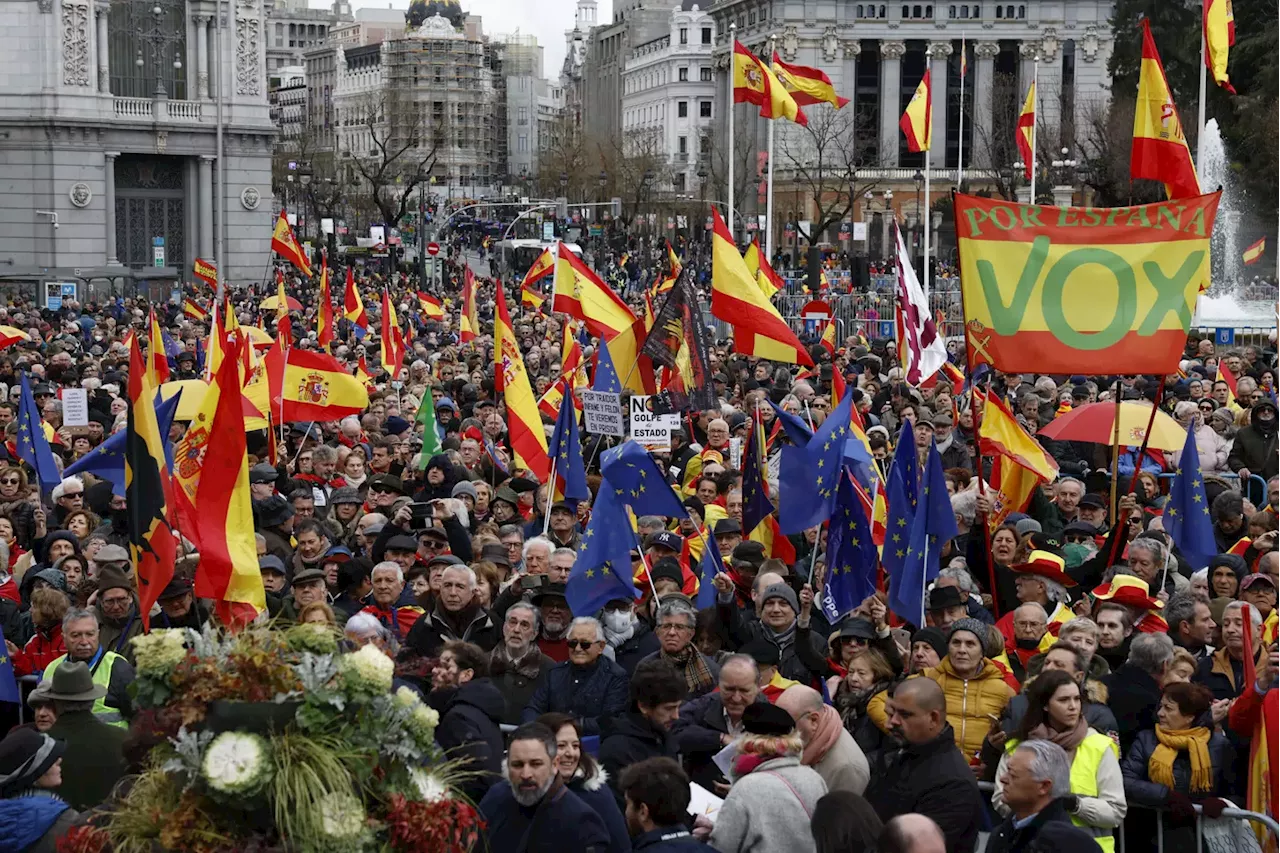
(108, 122)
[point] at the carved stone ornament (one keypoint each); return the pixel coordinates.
(940, 49)
(851, 48)
(162, 141)
(1089, 44)
(829, 44)
(80, 194)
(75, 45)
(893, 49)
(250, 198)
(248, 70)
(46, 6)
(1049, 44)
(986, 50)
(1029, 49)
(790, 43)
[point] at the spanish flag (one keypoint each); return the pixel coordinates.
(524, 425)
(324, 312)
(917, 120)
(758, 265)
(362, 373)
(1020, 463)
(193, 310)
(543, 266)
(573, 372)
(284, 326)
(580, 293)
(312, 386)
(217, 462)
(431, 307)
(1225, 375)
(205, 271)
(392, 338)
(353, 305)
(758, 328)
(829, 343)
(284, 244)
(1254, 253)
(807, 85)
(673, 272)
(755, 83)
(1160, 151)
(469, 321)
(148, 490)
(157, 362)
(1219, 38)
(1025, 132)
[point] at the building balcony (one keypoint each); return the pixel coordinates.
(161, 110)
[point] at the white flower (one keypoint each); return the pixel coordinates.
(236, 764)
(342, 815)
(430, 788)
(407, 697)
(422, 723)
(368, 670)
(158, 652)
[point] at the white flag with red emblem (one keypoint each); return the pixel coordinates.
(920, 344)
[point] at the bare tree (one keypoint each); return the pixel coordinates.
(401, 154)
(633, 170)
(747, 169)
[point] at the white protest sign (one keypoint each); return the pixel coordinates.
(735, 453)
(603, 413)
(75, 407)
(650, 431)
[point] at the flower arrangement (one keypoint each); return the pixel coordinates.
(278, 740)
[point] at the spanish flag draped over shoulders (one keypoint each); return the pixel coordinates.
(1160, 151)
(917, 119)
(755, 83)
(524, 425)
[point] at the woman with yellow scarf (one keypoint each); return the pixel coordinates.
(1178, 764)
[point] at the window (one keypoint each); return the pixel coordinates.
(679, 182)
(1000, 12)
(684, 35)
(682, 109)
(684, 75)
(704, 74)
(704, 109)
(706, 35)
(682, 145)
(1022, 11)
(522, 143)
(964, 12)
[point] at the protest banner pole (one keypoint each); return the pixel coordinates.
(982, 490)
(644, 559)
(551, 493)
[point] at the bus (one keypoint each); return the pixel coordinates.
(514, 257)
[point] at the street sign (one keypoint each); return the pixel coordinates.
(433, 249)
(886, 328)
(816, 309)
(157, 251)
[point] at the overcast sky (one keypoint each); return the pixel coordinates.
(546, 19)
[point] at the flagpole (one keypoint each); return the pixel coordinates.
(960, 156)
(1200, 117)
(1035, 111)
(551, 493)
(733, 42)
(768, 211)
(928, 155)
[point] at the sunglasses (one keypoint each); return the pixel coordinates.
(10, 482)
(1077, 538)
(580, 644)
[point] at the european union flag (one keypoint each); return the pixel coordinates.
(9, 691)
(565, 449)
(933, 526)
(606, 375)
(797, 430)
(494, 457)
(851, 554)
(199, 355)
(900, 495)
(710, 566)
(1186, 517)
(756, 505)
(810, 474)
(602, 571)
(106, 461)
(33, 447)
(640, 481)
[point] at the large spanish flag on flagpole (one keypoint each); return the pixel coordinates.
(311, 386)
(1219, 38)
(469, 321)
(392, 337)
(807, 85)
(524, 425)
(353, 305)
(1160, 151)
(758, 265)
(917, 119)
(573, 373)
(431, 307)
(758, 328)
(324, 313)
(157, 361)
(1024, 132)
(755, 83)
(284, 244)
(580, 293)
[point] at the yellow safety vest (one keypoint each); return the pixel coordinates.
(1084, 780)
(102, 678)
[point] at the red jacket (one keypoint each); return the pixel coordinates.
(39, 652)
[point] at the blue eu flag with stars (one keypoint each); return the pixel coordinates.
(9, 691)
(566, 449)
(900, 496)
(106, 461)
(851, 554)
(640, 482)
(798, 432)
(606, 375)
(1186, 517)
(33, 447)
(710, 566)
(756, 506)
(934, 525)
(809, 475)
(602, 571)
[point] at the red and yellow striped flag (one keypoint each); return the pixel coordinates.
(469, 320)
(917, 119)
(580, 293)
(755, 83)
(829, 344)
(758, 265)
(352, 304)
(1219, 38)
(157, 361)
(573, 373)
(524, 425)
(324, 313)
(193, 309)
(431, 307)
(1025, 132)
(284, 244)
(1254, 253)
(392, 338)
(807, 85)
(1160, 151)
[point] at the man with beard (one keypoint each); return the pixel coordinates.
(534, 811)
(556, 616)
(517, 665)
(178, 606)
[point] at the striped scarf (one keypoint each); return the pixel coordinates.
(697, 675)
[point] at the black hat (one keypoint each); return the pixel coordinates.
(1083, 527)
(766, 718)
(387, 482)
(25, 756)
(763, 652)
(178, 587)
(727, 526)
(858, 628)
(668, 568)
(942, 597)
(263, 472)
(664, 539)
(271, 563)
(495, 553)
(402, 542)
(749, 552)
(434, 533)
(551, 590)
(1093, 500)
(272, 511)
(934, 637)
(345, 495)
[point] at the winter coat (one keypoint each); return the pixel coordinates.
(39, 651)
(33, 822)
(697, 732)
(94, 760)
(629, 738)
(1139, 790)
(1050, 831)
(1212, 449)
(277, 545)
(1256, 451)
(769, 809)
(1222, 674)
(636, 648)
(517, 686)
(470, 717)
(119, 638)
(431, 632)
(1096, 712)
(709, 663)
(1133, 697)
(844, 766)
(560, 821)
(744, 630)
(669, 839)
(595, 792)
(590, 694)
(969, 701)
(931, 778)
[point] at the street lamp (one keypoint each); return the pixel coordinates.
(154, 29)
(304, 177)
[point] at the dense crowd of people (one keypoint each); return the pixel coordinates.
(1071, 657)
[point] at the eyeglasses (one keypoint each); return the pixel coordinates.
(580, 644)
(673, 627)
(1078, 537)
(10, 481)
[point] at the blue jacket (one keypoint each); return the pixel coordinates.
(1139, 790)
(669, 839)
(31, 820)
(601, 690)
(559, 822)
(595, 793)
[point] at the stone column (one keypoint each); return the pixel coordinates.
(202, 57)
(939, 53)
(109, 200)
(205, 221)
(102, 46)
(890, 99)
(984, 81)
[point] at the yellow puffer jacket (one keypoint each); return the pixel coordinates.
(972, 704)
